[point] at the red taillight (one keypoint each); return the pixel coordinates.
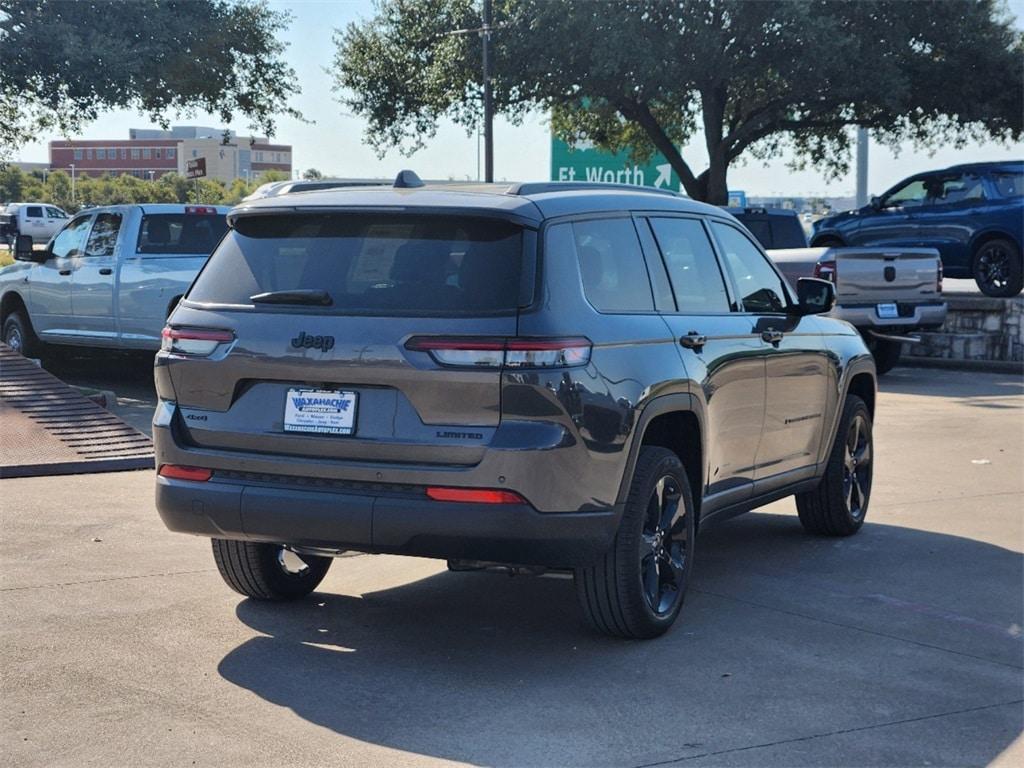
(474, 496)
(195, 342)
(826, 270)
(201, 210)
(487, 352)
(179, 472)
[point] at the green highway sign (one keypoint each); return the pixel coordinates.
(585, 163)
(588, 164)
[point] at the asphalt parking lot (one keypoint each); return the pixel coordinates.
(900, 646)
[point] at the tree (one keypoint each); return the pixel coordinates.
(64, 63)
(649, 75)
(312, 174)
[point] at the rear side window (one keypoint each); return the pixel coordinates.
(692, 267)
(371, 264)
(34, 212)
(193, 233)
(612, 264)
(1009, 184)
(104, 235)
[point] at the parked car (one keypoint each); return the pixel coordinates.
(109, 278)
(887, 294)
(551, 375)
(973, 214)
(39, 220)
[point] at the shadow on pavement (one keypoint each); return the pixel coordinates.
(968, 386)
(784, 636)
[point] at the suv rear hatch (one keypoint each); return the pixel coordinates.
(295, 338)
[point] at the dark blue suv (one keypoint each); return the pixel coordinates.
(973, 214)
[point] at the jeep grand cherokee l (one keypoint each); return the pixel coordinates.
(554, 375)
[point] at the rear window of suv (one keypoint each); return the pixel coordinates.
(370, 264)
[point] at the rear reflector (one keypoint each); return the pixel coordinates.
(195, 342)
(486, 352)
(179, 472)
(475, 496)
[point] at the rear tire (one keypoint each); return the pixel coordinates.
(886, 354)
(636, 589)
(268, 571)
(838, 505)
(997, 268)
(19, 336)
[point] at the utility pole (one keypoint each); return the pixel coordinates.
(72, 182)
(485, 34)
(862, 167)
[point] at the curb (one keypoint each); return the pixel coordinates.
(953, 364)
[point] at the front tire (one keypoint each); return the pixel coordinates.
(268, 571)
(637, 588)
(19, 336)
(838, 505)
(997, 268)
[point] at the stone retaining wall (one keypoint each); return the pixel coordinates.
(977, 328)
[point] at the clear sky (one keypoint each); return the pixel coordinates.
(333, 142)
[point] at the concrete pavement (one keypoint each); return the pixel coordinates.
(902, 645)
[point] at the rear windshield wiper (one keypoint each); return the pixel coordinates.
(302, 296)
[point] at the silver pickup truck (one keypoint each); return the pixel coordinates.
(885, 293)
(109, 278)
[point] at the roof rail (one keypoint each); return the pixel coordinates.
(539, 187)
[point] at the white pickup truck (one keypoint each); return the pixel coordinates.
(885, 293)
(109, 278)
(39, 220)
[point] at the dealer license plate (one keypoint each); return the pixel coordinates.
(323, 411)
(887, 311)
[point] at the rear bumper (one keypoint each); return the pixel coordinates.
(912, 316)
(408, 525)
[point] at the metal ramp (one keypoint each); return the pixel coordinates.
(49, 428)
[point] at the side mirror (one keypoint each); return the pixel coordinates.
(23, 249)
(814, 296)
(876, 202)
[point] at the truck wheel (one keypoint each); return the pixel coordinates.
(19, 336)
(268, 571)
(838, 505)
(886, 354)
(637, 588)
(997, 268)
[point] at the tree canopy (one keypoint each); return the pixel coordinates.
(64, 63)
(650, 75)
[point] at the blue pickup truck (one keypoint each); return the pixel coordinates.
(972, 214)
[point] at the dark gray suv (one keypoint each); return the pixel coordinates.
(545, 375)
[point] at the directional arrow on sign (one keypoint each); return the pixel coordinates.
(664, 175)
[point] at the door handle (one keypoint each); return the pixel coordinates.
(693, 340)
(772, 336)
(64, 272)
(106, 271)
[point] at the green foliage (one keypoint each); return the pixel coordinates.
(66, 62)
(649, 75)
(19, 186)
(312, 174)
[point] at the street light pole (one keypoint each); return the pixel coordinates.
(485, 34)
(72, 182)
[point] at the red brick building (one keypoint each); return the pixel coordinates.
(150, 153)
